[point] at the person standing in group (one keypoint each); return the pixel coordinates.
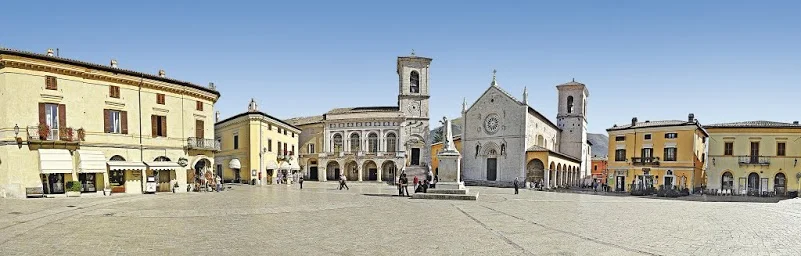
(416, 182)
(300, 181)
(405, 183)
(517, 184)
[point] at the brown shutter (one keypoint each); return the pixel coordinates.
(124, 121)
(164, 125)
(42, 114)
(107, 121)
(199, 129)
(153, 126)
(62, 116)
(55, 83)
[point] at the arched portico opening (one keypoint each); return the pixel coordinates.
(332, 170)
(388, 171)
(535, 171)
(352, 170)
(369, 171)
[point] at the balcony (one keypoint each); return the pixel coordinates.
(64, 137)
(202, 144)
(754, 160)
(645, 161)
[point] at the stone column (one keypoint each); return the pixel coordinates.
(545, 180)
(378, 172)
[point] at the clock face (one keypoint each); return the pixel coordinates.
(414, 108)
(492, 123)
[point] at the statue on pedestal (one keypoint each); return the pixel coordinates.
(447, 140)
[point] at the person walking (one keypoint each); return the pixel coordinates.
(300, 181)
(344, 182)
(218, 181)
(517, 184)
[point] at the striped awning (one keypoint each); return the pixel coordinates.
(91, 161)
(55, 161)
(162, 166)
(123, 165)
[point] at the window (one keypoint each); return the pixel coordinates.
(199, 129)
(114, 91)
(337, 143)
(113, 121)
(671, 135)
(236, 141)
(311, 148)
(160, 99)
(372, 143)
(780, 149)
(51, 83)
(270, 127)
(596, 167)
(391, 143)
(52, 119)
(569, 104)
(270, 145)
(279, 147)
(284, 131)
(414, 82)
(286, 149)
(647, 137)
(620, 138)
(293, 134)
(158, 126)
(728, 149)
(620, 155)
(670, 154)
(754, 149)
(728, 181)
(354, 142)
(293, 150)
(199, 106)
(647, 154)
(279, 130)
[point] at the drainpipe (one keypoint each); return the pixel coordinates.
(141, 145)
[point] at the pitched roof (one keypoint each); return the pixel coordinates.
(530, 109)
(304, 120)
(258, 113)
(364, 109)
(658, 123)
(536, 148)
(754, 124)
(105, 68)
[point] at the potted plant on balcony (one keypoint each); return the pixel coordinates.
(73, 189)
(81, 134)
(44, 131)
(66, 134)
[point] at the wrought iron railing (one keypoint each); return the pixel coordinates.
(645, 160)
(755, 160)
(44, 133)
(201, 143)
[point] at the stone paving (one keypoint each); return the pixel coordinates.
(367, 220)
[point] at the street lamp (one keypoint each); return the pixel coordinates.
(16, 130)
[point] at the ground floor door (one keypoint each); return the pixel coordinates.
(620, 183)
(753, 183)
(313, 173)
(415, 156)
(492, 169)
(88, 182)
(164, 178)
(668, 182)
(53, 183)
(237, 176)
(372, 174)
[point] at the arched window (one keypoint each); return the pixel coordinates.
(414, 82)
(569, 104)
(372, 143)
(117, 158)
(779, 183)
(392, 143)
(337, 143)
(540, 141)
(162, 159)
(354, 142)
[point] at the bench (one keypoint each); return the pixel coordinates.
(36, 192)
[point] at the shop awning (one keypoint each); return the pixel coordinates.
(271, 165)
(55, 161)
(91, 161)
(294, 167)
(123, 165)
(284, 166)
(234, 164)
(162, 166)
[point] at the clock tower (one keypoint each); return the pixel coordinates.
(413, 95)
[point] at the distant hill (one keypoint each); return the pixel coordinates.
(600, 144)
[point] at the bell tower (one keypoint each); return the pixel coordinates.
(413, 95)
(572, 119)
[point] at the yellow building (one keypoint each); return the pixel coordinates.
(656, 153)
(256, 148)
(106, 127)
(754, 158)
(311, 142)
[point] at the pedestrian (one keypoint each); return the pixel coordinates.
(416, 183)
(340, 182)
(344, 182)
(398, 183)
(425, 186)
(300, 181)
(517, 184)
(436, 179)
(219, 183)
(405, 182)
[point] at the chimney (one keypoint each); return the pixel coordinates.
(691, 118)
(634, 121)
(50, 52)
(217, 116)
(162, 73)
(113, 63)
(795, 122)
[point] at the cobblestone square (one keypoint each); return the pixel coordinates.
(368, 220)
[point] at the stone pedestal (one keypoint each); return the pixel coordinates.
(449, 171)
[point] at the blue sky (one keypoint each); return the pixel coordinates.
(722, 60)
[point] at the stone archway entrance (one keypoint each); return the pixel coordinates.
(535, 171)
(332, 170)
(369, 171)
(388, 171)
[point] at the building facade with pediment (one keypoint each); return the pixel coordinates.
(504, 138)
(372, 143)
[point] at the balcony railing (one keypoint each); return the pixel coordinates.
(200, 143)
(754, 160)
(44, 133)
(645, 161)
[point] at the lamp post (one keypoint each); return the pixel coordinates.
(16, 135)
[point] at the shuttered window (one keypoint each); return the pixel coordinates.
(51, 83)
(199, 128)
(158, 126)
(160, 99)
(115, 121)
(114, 91)
(199, 106)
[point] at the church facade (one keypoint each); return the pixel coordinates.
(504, 138)
(372, 143)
